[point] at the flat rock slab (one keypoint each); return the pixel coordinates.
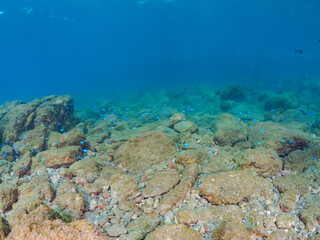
(234, 186)
(142, 152)
(116, 230)
(161, 182)
(123, 187)
(174, 232)
(61, 157)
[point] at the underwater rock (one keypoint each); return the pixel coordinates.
(231, 230)
(22, 166)
(116, 230)
(144, 224)
(123, 187)
(8, 153)
(288, 200)
(191, 156)
(280, 235)
(186, 126)
(54, 112)
(285, 221)
(285, 101)
(310, 215)
(72, 204)
(61, 157)
(229, 130)
(234, 186)
(144, 151)
(72, 138)
(262, 161)
(298, 160)
(56, 229)
(186, 216)
(292, 182)
(278, 137)
(176, 118)
(8, 195)
(235, 93)
(174, 232)
(32, 140)
(86, 168)
(178, 194)
(161, 182)
(222, 161)
(43, 191)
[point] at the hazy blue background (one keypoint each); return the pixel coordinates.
(92, 47)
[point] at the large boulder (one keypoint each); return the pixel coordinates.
(54, 112)
(229, 130)
(144, 151)
(278, 137)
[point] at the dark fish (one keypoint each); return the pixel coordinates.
(318, 41)
(299, 51)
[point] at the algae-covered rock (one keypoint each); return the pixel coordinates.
(176, 118)
(186, 126)
(288, 200)
(234, 186)
(8, 195)
(222, 161)
(174, 232)
(285, 101)
(22, 166)
(72, 204)
(123, 187)
(61, 157)
(191, 156)
(186, 216)
(178, 194)
(144, 224)
(54, 112)
(231, 230)
(229, 130)
(56, 229)
(278, 137)
(85, 168)
(297, 183)
(116, 230)
(298, 160)
(144, 151)
(161, 182)
(310, 216)
(72, 138)
(264, 162)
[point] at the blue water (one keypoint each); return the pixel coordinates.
(105, 47)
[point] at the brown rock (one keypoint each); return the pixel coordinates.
(85, 168)
(178, 194)
(60, 157)
(264, 162)
(278, 137)
(234, 186)
(187, 216)
(161, 182)
(144, 224)
(229, 130)
(191, 156)
(174, 232)
(297, 183)
(72, 204)
(186, 126)
(231, 231)
(123, 187)
(144, 151)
